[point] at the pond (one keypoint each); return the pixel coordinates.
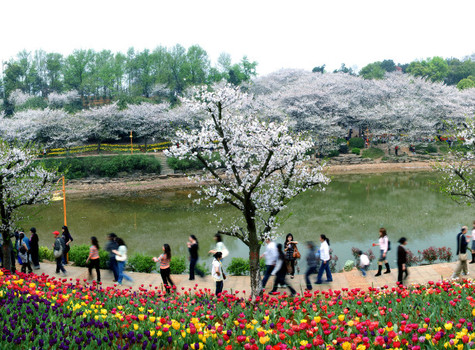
(350, 212)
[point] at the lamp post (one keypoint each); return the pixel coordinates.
(131, 144)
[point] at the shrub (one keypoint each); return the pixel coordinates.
(430, 254)
(46, 254)
(412, 260)
(356, 142)
(110, 166)
(349, 265)
(79, 254)
(431, 149)
(334, 153)
(333, 261)
(190, 163)
(141, 263)
(343, 148)
(356, 151)
(240, 266)
(373, 153)
(202, 266)
(444, 254)
(177, 265)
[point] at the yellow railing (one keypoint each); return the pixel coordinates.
(105, 147)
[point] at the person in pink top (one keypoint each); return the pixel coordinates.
(164, 261)
(93, 259)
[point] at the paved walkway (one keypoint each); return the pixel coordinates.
(352, 279)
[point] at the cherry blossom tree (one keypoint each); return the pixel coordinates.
(21, 183)
(457, 175)
(328, 105)
(264, 165)
(58, 100)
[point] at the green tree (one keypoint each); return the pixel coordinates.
(372, 71)
(54, 78)
(198, 65)
(467, 83)
(77, 71)
(435, 69)
(319, 69)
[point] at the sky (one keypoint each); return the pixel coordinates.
(277, 34)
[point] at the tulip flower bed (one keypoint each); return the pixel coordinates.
(42, 312)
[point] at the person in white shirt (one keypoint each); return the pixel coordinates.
(220, 247)
(271, 254)
(325, 259)
(121, 257)
(217, 272)
(364, 263)
(383, 243)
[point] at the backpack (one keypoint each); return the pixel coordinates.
(389, 245)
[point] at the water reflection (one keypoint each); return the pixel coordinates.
(349, 212)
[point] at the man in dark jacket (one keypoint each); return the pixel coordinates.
(112, 245)
(34, 248)
(462, 253)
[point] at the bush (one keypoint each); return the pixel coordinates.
(431, 149)
(349, 265)
(141, 263)
(190, 163)
(109, 166)
(412, 260)
(426, 148)
(177, 265)
(46, 254)
(240, 266)
(334, 153)
(343, 148)
(373, 153)
(79, 254)
(444, 254)
(357, 142)
(430, 254)
(356, 151)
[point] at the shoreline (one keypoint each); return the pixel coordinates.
(129, 186)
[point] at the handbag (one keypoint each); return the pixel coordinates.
(58, 253)
(296, 254)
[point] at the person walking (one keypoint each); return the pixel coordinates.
(34, 248)
(313, 258)
(280, 271)
(462, 253)
(121, 257)
(110, 247)
(93, 259)
(23, 253)
(383, 243)
(473, 244)
(325, 260)
(402, 260)
(290, 248)
(67, 241)
(217, 272)
(363, 263)
(164, 260)
(58, 252)
(220, 247)
(271, 255)
(193, 248)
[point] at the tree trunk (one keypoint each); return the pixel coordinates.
(254, 269)
(6, 251)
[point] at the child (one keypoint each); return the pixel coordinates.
(217, 272)
(364, 263)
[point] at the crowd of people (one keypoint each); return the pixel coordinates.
(281, 259)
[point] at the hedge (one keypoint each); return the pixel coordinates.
(103, 166)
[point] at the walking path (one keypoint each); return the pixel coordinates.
(351, 279)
